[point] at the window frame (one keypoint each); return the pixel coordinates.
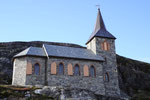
(68, 73)
(84, 73)
(39, 68)
(58, 68)
(106, 74)
(51, 72)
(27, 68)
(74, 70)
(105, 45)
(94, 71)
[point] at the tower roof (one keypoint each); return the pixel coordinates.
(100, 29)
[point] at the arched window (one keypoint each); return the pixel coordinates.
(106, 77)
(92, 71)
(77, 70)
(61, 69)
(70, 69)
(53, 68)
(105, 46)
(37, 69)
(86, 70)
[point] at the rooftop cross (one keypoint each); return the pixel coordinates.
(98, 6)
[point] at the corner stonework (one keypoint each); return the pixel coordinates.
(109, 66)
(19, 71)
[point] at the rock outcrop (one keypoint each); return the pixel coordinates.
(9, 92)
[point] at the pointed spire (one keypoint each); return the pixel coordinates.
(99, 22)
(100, 29)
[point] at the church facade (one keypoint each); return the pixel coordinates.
(93, 68)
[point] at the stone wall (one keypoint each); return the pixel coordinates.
(33, 79)
(109, 66)
(19, 71)
(94, 84)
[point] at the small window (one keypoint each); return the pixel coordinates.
(105, 46)
(86, 70)
(29, 68)
(92, 71)
(76, 70)
(106, 77)
(115, 70)
(105, 60)
(61, 69)
(53, 68)
(36, 69)
(70, 69)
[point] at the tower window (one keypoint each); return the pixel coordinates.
(106, 77)
(105, 46)
(92, 71)
(77, 70)
(61, 69)
(37, 69)
(105, 60)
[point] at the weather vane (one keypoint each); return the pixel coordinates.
(98, 6)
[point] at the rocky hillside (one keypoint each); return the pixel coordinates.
(134, 76)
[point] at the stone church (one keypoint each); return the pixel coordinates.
(93, 68)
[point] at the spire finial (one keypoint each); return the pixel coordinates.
(98, 6)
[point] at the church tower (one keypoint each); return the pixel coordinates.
(102, 43)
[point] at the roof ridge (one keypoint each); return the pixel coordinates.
(28, 49)
(65, 46)
(71, 52)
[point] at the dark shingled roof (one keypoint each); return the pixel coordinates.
(60, 51)
(32, 51)
(100, 29)
(71, 52)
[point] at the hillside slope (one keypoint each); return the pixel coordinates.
(134, 76)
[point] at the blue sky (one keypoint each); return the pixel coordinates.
(72, 21)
